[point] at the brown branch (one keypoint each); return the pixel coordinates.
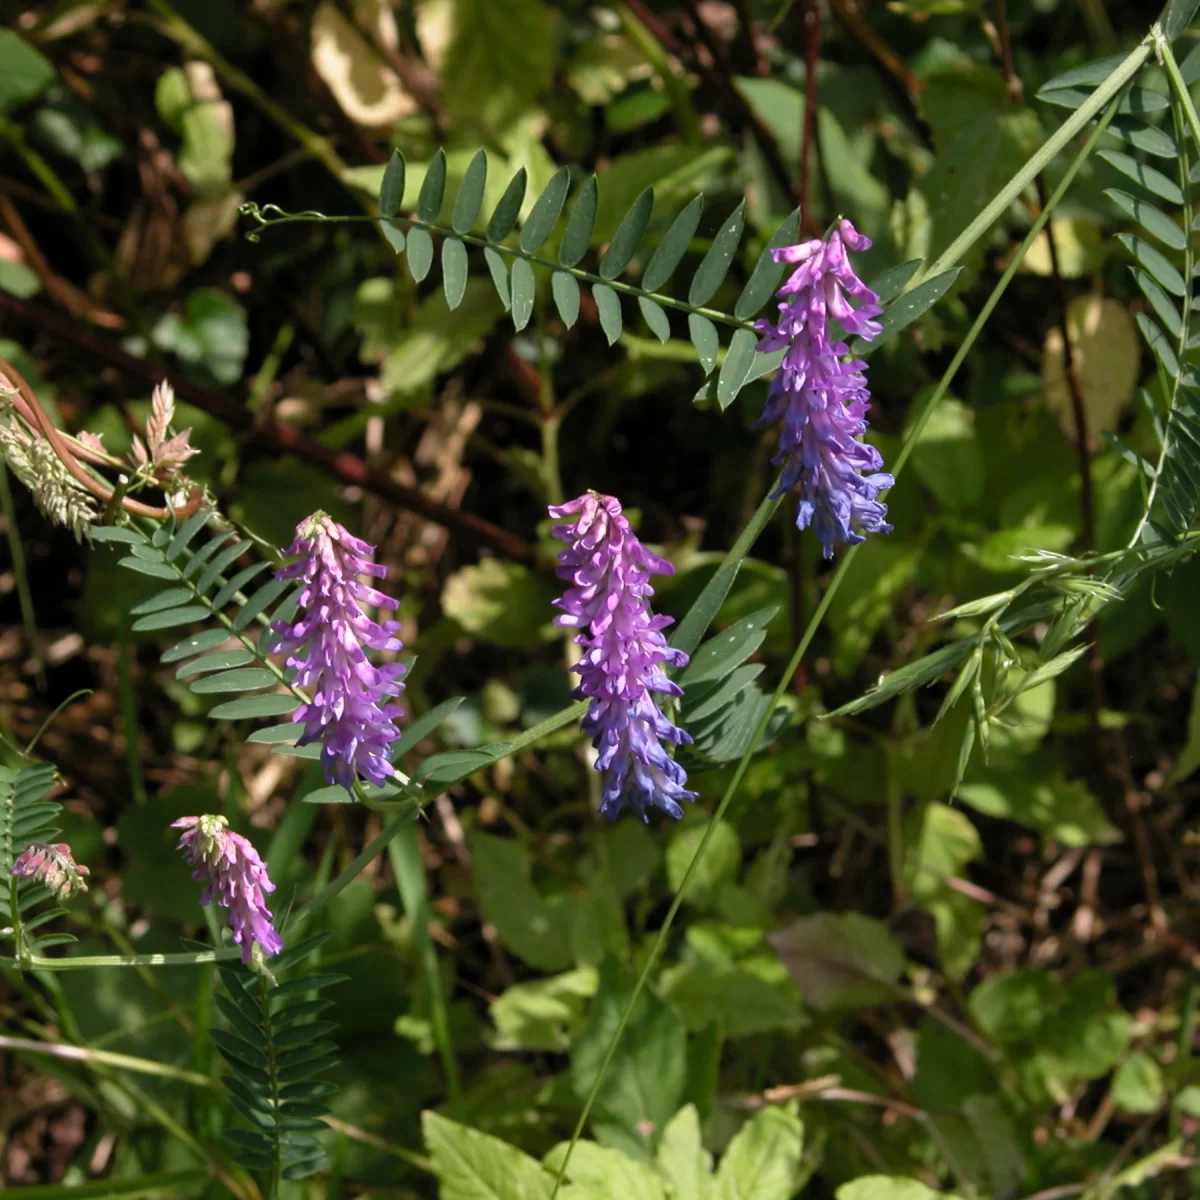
(347, 467)
(811, 16)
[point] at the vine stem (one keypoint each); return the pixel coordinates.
(819, 615)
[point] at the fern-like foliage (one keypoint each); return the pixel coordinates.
(276, 1050)
(511, 258)
(26, 816)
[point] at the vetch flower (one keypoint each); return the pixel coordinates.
(820, 395)
(237, 879)
(52, 864)
(327, 645)
(624, 652)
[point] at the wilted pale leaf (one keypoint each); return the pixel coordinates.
(1107, 353)
(840, 960)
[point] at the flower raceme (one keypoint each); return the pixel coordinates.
(624, 652)
(820, 394)
(237, 879)
(52, 864)
(327, 646)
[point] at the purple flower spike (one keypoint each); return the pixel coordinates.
(820, 394)
(327, 647)
(236, 877)
(52, 864)
(623, 655)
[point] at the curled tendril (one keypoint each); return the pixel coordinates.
(30, 410)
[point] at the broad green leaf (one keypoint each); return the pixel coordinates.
(504, 219)
(454, 271)
(682, 1158)
(889, 1187)
(545, 212)
(470, 194)
(433, 190)
(391, 191)
(501, 602)
(656, 318)
(947, 458)
(644, 1083)
(762, 1161)
(1153, 220)
(470, 1165)
(673, 247)
(578, 234)
(722, 857)
(628, 237)
(543, 1014)
(706, 340)
(1148, 177)
(716, 263)
(1137, 1086)
(608, 305)
(741, 356)
(565, 289)
(524, 290)
(420, 253)
(840, 960)
(767, 274)
(608, 1171)
(25, 73)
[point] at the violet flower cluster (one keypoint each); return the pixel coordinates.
(52, 864)
(820, 394)
(237, 879)
(327, 646)
(624, 652)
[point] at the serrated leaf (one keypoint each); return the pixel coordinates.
(705, 339)
(673, 247)
(433, 191)
(248, 679)
(735, 370)
(906, 309)
(711, 272)
(1153, 220)
(210, 639)
(454, 271)
(509, 209)
(608, 304)
(1149, 178)
(545, 212)
(628, 237)
(471, 1165)
(250, 707)
(499, 272)
(420, 253)
(767, 273)
(656, 318)
(566, 296)
(172, 618)
(391, 190)
(470, 195)
(523, 291)
(578, 234)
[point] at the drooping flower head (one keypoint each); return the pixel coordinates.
(624, 652)
(327, 646)
(236, 877)
(820, 394)
(52, 864)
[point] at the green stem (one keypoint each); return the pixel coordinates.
(810, 632)
(85, 962)
(126, 1062)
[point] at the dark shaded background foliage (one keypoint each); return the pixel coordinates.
(1047, 915)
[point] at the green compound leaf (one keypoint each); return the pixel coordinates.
(420, 253)
(1152, 260)
(424, 725)
(186, 532)
(433, 189)
(172, 617)
(170, 598)
(608, 304)
(1144, 137)
(393, 232)
(255, 706)
(117, 533)
(578, 234)
(673, 247)
(705, 339)
(1146, 176)
(628, 237)
(142, 566)
(716, 263)
(524, 289)
(566, 296)
(1163, 305)
(907, 309)
(498, 269)
(1153, 220)
(545, 212)
(391, 191)
(236, 584)
(767, 274)
(247, 679)
(469, 200)
(504, 219)
(210, 639)
(454, 271)
(220, 660)
(656, 318)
